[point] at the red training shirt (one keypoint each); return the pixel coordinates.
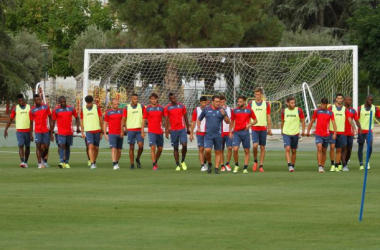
(176, 114)
(64, 118)
(40, 117)
(154, 117)
(323, 118)
(114, 117)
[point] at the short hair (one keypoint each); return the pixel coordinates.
(215, 96)
(134, 94)
(36, 95)
(324, 100)
(114, 99)
(203, 99)
(20, 96)
(339, 94)
(62, 98)
(171, 94)
(290, 98)
(89, 99)
(222, 97)
(154, 95)
(258, 89)
(242, 97)
(369, 96)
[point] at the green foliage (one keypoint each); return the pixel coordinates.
(308, 38)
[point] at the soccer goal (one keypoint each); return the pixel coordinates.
(307, 73)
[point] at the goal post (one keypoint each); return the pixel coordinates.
(190, 73)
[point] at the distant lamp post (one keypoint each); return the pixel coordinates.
(45, 48)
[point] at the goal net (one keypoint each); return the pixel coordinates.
(306, 73)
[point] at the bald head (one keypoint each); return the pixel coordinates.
(115, 103)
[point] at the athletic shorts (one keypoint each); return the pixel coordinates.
(339, 142)
(43, 138)
(23, 139)
(259, 137)
(64, 140)
(201, 141)
(349, 141)
(134, 136)
(322, 140)
(115, 141)
(241, 136)
(178, 136)
(214, 141)
(93, 138)
(290, 141)
(226, 142)
(156, 139)
(364, 138)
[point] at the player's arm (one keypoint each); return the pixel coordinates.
(105, 126)
(309, 127)
(200, 118)
(334, 127)
(143, 121)
(282, 121)
(31, 117)
(269, 120)
(9, 124)
(193, 122)
(101, 125)
(225, 116)
(187, 123)
(82, 125)
(232, 127)
(303, 124)
(52, 124)
(253, 120)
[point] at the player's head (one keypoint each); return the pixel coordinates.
(37, 99)
(324, 103)
(241, 101)
(21, 99)
(348, 101)
(216, 101)
(115, 103)
(89, 101)
(369, 100)
(223, 101)
(134, 99)
(258, 94)
(291, 102)
(339, 98)
(153, 98)
(62, 101)
(172, 98)
(203, 101)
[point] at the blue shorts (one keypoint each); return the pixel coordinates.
(201, 141)
(214, 141)
(156, 139)
(241, 136)
(177, 136)
(93, 138)
(115, 141)
(290, 140)
(259, 137)
(23, 139)
(364, 138)
(226, 141)
(349, 141)
(43, 138)
(322, 140)
(64, 140)
(134, 136)
(56, 139)
(339, 142)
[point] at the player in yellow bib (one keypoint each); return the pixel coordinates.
(21, 114)
(291, 119)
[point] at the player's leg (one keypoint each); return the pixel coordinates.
(324, 151)
(174, 139)
(87, 153)
(26, 136)
(332, 152)
(39, 155)
(361, 140)
(236, 144)
(224, 141)
(369, 140)
(140, 143)
(96, 144)
(131, 141)
(21, 152)
(339, 144)
(255, 142)
(217, 142)
(90, 137)
(262, 143)
(160, 146)
(319, 144)
(208, 148)
(229, 155)
(201, 152)
(293, 147)
(183, 140)
(286, 139)
(245, 140)
(69, 143)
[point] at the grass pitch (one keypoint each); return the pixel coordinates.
(79, 208)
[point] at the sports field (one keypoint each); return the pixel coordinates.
(79, 208)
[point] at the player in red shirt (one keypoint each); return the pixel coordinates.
(227, 141)
(239, 131)
(39, 115)
(64, 114)
(112, 121)
(323, 116)
(201, 134)
(176, 115)
(154, 114)
(350, 132)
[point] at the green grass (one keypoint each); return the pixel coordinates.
(80, 208)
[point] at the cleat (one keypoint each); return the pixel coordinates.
(361, 168)
(321, 170)
(46, 165)
(254, 168)
(89, 163)
(216, 171)
(261, 170)
(223, 169)
(236, 169)
(132, 167)
(183, 165)
(204, 168)
(155, 168)
(209, 168)
(22, 165)
(26, 165)
(245, 171)
(291, 169)
(138, 163)
(178, 168)
(116, 167)
(340, 167)
(66, 165)
(345, 169)
(41, 165)
(228, 168)
(337, 169)
(60, 165)
(369, 167)
(93, 166)
(332, 169)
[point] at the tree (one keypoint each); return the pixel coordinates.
(58, 23)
